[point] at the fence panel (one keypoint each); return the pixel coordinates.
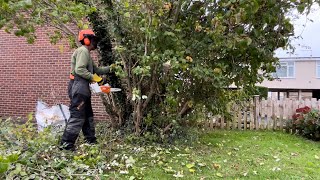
(261, 114)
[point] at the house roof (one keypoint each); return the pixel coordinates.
(299, 59)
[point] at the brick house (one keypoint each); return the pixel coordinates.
(29, 72)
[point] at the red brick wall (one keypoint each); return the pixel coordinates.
(29, 72)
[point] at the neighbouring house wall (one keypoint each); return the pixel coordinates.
(29, 72)
(305, 78)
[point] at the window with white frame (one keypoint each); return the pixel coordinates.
(285, 70)
(318, 69)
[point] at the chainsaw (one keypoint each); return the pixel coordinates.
(95, 88)
(107, 89)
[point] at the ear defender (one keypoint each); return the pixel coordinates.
(86, 41)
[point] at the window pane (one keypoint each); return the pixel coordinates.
(291, 72)
(283, 64)
(290, 63)
(282, 71)
(318, 71)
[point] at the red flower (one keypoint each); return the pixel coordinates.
(297, 116)
(299, 110)
(306, 110)
(303, 110)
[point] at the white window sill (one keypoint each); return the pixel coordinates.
(286, 77)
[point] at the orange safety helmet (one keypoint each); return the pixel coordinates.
(84, 35)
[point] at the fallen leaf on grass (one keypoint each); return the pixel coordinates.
(130, 161)
(235, 166)
(190, 166)
(182, 155)
(276, 169)
(179, 174)
(124, 172)
(216, 166)
(169, 170)
(154, 155)
(219, 175)
(201, 164)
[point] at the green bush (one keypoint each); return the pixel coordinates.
(306, 122)
(261, 91)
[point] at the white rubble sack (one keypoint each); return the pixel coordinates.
(51, 116)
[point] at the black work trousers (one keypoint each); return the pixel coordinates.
(81, 118)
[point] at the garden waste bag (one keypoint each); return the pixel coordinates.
(54, 116)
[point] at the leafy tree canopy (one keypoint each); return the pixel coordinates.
(171, 58)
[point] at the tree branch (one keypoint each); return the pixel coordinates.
(146, 36)
(167, 128)
(185, 109)
(177, 12)
(152, 89)
(129, 73)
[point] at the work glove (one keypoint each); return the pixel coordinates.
(96, 78)
(103, 81)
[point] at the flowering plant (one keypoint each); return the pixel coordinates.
(306, 122)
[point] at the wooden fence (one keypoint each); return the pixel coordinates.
(261, 114)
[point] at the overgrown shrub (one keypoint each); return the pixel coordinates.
(306, 122)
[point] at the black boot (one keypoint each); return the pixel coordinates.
(88, 130)
(68, 140)
(71, 133)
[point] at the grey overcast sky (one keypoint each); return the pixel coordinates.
(308, 45)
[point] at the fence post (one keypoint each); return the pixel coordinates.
(256, 111)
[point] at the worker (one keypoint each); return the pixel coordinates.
(83, 72)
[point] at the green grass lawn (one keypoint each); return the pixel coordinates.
(203, 155)
(236, 155)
